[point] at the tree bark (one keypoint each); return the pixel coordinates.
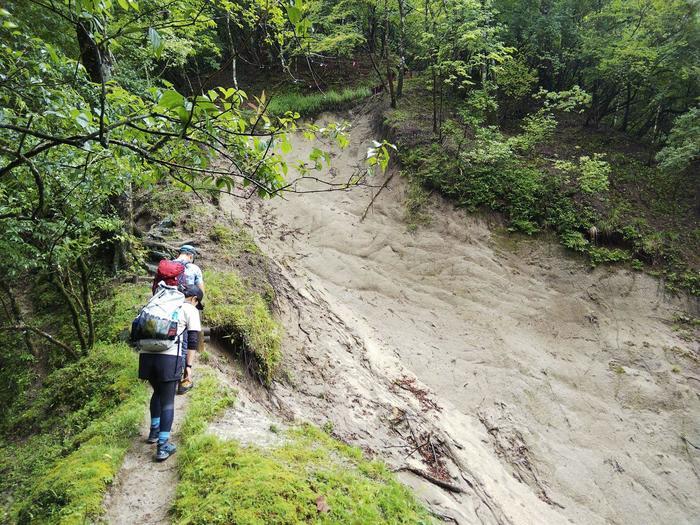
(435, 126)
(385, 47)
(628, 103)
(232, 48)
(94, 57)
(16, 313)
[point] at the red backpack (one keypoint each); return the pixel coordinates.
(172, 272)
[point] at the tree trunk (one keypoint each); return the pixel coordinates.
(385, 47)
(16, 313)
(87, 300)
(95, 58)
(628, 103)
(390, 81)
(402, 47)
(72, 308)
(435, 127)
(232, 50)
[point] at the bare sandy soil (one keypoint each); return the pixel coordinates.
(533, 389)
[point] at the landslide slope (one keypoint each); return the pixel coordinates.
(544, 390)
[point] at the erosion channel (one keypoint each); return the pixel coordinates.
(504, 380)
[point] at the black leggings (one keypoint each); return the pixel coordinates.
(163, 403)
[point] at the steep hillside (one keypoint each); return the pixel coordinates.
(538, 389)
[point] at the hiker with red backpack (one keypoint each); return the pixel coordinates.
(162, 332)
(182, 272)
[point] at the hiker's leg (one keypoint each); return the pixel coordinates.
(167, 408)
(155, 401)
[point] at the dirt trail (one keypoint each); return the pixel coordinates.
(144, 490)
(544, 391)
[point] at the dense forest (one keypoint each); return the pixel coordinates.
(573, 119)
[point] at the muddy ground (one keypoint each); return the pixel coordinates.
(503, 378)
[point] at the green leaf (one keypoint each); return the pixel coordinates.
(171, 99)
(156, 41)
(294, 14)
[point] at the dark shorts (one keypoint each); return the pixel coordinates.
(161, 368)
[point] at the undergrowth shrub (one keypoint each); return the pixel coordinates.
(478, 165)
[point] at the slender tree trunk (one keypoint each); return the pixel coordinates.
(390, 81)
(87, 300)
(387, 57)
(402, 47)
(435, 126)
(72, 309)
(628, 103)
(18, 317)
(232, 50)
(441, 115)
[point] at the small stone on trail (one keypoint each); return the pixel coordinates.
(321, 504)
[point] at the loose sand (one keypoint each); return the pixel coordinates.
(562, 394)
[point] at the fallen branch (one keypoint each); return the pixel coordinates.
(47, 336)
(371, 203)
(440, 483)
(690, 443)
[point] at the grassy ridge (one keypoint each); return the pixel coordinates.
(60, 448)
(82, 423)
(311, 104)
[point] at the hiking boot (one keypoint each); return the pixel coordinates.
(153, 435)
(165, 450)
(184, 386)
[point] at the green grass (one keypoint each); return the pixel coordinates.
(118, 309)
(243, 316)
(234, 241)
(223, 482)
(61, 447)
(207, 401)
(311, 104)
(80, 427)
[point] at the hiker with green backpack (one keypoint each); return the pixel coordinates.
(162, 332)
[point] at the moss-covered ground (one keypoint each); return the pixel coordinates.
(310, 478)
(243, 317)
(63, 442)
